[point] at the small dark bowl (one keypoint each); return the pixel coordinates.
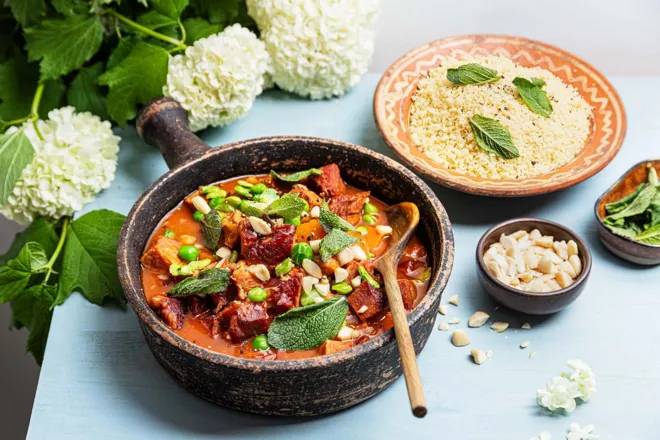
(623, 247)
(531, 302)
(303, 387)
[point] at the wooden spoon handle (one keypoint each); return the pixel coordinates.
(404, 341)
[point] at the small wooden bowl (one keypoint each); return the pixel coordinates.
(393, 99)
(531, 302)
(626, 248)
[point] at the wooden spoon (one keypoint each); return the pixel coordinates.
(403, 218)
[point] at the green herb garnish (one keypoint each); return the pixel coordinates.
(297, 176)
(329, 220)
(335, 242)
(212, 229)
(308, 327)
(289, 206)
(491, 136)
(209, 281)
(472, 73)
(533, 95)
(650, 236)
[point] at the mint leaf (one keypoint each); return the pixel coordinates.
(298, 176)
(63, 45)
(491, 136)
(212, 229)
(90, 258)
(329, 220)
(27, 12)
(650, 236)
(621, 204)
(472, 73)
(136, 79)
(16, 152)
(41, 231)
(308, 327)
(334, 242)
(198, 28)
(636, 206)
(289, 206)
(533, 95)
(248, 208)
(209, 281)
(85, 95)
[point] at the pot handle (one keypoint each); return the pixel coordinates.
(163, 123)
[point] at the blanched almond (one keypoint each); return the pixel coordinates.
(340, 274)
(308, 283)
(442, 309)
(545, 241)
(454, 321)
(576, 263)
(443, 326)
(315, 245)
(508, 242)
(563, 279)
(478, 319)
(223, 253)
(459, 338)
(478, 356)
(524, 344)
(315, 212)
(561, 249)
(259, 226)
(536, 286)
(518, 234)
(545, 265)
(531, 261)
(260, 271)
(312, 268)
(567, 267)
(322, 288)
(535, 234)
(384, 230)
(355, 282)
(553, 285)
(572, 248)
(358, 252)
(200, 204)
(345, 256)
(499, 326)
(526, 326)
(453, 300)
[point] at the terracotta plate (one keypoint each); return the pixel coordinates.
(393, 99)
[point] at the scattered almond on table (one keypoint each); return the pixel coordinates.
(524, 344)
(478, 356)
(442, 309)
(443, 326)
(478, 319)
(499, 326)
(459, 338)
(453, 300)
(526, 326)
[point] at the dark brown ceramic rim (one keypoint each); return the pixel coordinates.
(609, 190)
(586, 259)
(135, 295)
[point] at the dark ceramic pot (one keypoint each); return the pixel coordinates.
(531, 302)
(624, 247)
(295, 387)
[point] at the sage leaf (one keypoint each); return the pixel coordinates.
(650, 236)
(492, 137)
(621, 204)
(533, 95)
(329, 220)
(89, 262)
(209, 281)
(289, 206)
(334, 242)
(16, 152)
(638, 205)
(297, 176)
(308, 327)
(472, 73)
(212, 229)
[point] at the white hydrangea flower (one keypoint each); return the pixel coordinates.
(578, 433)
(76, 159)
(584, 377)
(318, 48)
(559, 393)
(219, 77)
(545, 435)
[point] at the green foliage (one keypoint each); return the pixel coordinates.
(16, 152)
(493, 137)
(27, 12)
(533, 95)
(197, 28)
(85, 95)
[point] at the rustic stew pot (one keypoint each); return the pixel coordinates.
(293, 387)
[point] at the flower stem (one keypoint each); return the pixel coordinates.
(182, 29)
(146, 30)
(34, 111)
(58, 250)
(7, 124)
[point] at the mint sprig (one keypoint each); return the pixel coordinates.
(297, 176)
(533, 95)
(493, 137)
(472, 73)
(209, 281)
(329, 220)
(289, 206)
(335, 242)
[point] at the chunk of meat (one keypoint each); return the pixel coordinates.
(164, 252)
(349, 205)
(169, 309)
(196, 305)
(270, 249)
(331, 346)
(408, 293)
(230, 229)
(285, 295)
(329, 183)
(367, 301)
(305, 193)
(243, 279)
(243, 320)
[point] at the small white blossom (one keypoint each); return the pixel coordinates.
(318, 48)
(76, 159)
(559, 393)
(219, 77)
(577, 433)
(584, 377)
(545, 435)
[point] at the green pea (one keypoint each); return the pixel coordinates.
(217, 201)
(261, 343)
(370, 208)
(293, 221)
(233, 258)
(245, 184)
(369, 219)
(257, 294)
(342, 288)
(258, 188)
(198, 216)
(188, 253)
(363, 230)
(284, 267)
(233, 201)
(307, 299)
(242, 191)
(300, 252)
(225, 207)
(170, 233)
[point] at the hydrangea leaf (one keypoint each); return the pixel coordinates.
(198, 28)
(63, 46)
(90, 258)
(15, 275)
(27, 12)
(70, 7)
(169, 8)
(85, 95)
(155, 20)
(32, 310)
(224, 11)
(16, 152)
(136, 79)
(41, 230)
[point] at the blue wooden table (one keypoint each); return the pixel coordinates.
(100, 381)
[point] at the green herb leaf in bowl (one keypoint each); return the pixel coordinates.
(335, 242)
(650, 236)
(297, 176)
(289, 206)
(308, 327)
(491, 136)
(209, 281)
(533, 95)
(472, 73)
(212, 229)
(329, 220)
